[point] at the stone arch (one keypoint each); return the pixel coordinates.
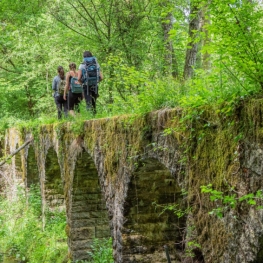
(146, 229)
(88, 217)
(54, 192)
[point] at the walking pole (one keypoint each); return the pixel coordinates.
(167, 253)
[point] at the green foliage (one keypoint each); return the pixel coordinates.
(224, 202)
(132, 53)
(190, 247)
(236, 42)
(174, 208)
(101, 251)
(21, 234)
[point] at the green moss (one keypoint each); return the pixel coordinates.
(209, 140)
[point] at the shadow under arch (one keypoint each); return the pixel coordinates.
(259, 256)
(148, 228)
(32, 177)
(88, 214)
(54, 191)
(18, 165)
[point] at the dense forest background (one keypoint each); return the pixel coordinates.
(153, 53)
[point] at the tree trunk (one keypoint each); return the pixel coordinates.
(206, 60)
(192, 47)
(171, 63)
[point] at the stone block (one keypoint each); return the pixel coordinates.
(84, 223)
(81, 215)
(104, 220)
(84, 207)
(83, 233)
(81, 245)
(86, 196)
(102, 231)
(81, 255)
(90, 183)
(96, 214)
(101, 206)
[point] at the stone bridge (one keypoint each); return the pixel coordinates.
(106, 174)
(114, 176)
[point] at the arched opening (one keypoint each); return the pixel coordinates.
(149, 227)
(32, 169)
(88, 215)
(18, 164)
(259, 257)
(2, 147)
(54, 193)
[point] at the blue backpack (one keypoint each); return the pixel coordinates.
(75, 87)
(91, 72)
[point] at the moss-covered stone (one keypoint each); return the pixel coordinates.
(108, 172)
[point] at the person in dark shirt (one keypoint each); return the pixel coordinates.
(58, 85)
(90, 91)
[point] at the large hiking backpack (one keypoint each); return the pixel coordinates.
(75, 87)
(61, 86)
(90, 74)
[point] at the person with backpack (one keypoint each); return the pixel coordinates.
(58, 85)
(89, 74)
(74, 89)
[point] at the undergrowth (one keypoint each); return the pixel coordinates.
(217, 89)
(101, 252)
(22, 237)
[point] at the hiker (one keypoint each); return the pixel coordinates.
(58, 85)
(74, 89)
(89, 74)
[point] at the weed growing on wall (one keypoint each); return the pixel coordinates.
(101, 252)
(21, 235)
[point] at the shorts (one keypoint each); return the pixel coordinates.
(74, 100)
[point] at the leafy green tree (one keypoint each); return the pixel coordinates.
(236, 40)
(32, 48)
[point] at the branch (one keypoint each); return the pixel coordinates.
(16, 151)
(4, 51)
(69, 27)
(98, 14)
(93, 21)
(8, 70)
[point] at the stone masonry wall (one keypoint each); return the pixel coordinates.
(114, 177)
(88, 217)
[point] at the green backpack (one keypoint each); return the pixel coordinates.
(61, 86)
(75, 86)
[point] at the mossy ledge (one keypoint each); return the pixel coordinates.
(113, 169)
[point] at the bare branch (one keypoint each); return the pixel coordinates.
(4, 51)
(96, 10)
(69, 27)
(16, 151)
(8, 70)
(93, 21)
